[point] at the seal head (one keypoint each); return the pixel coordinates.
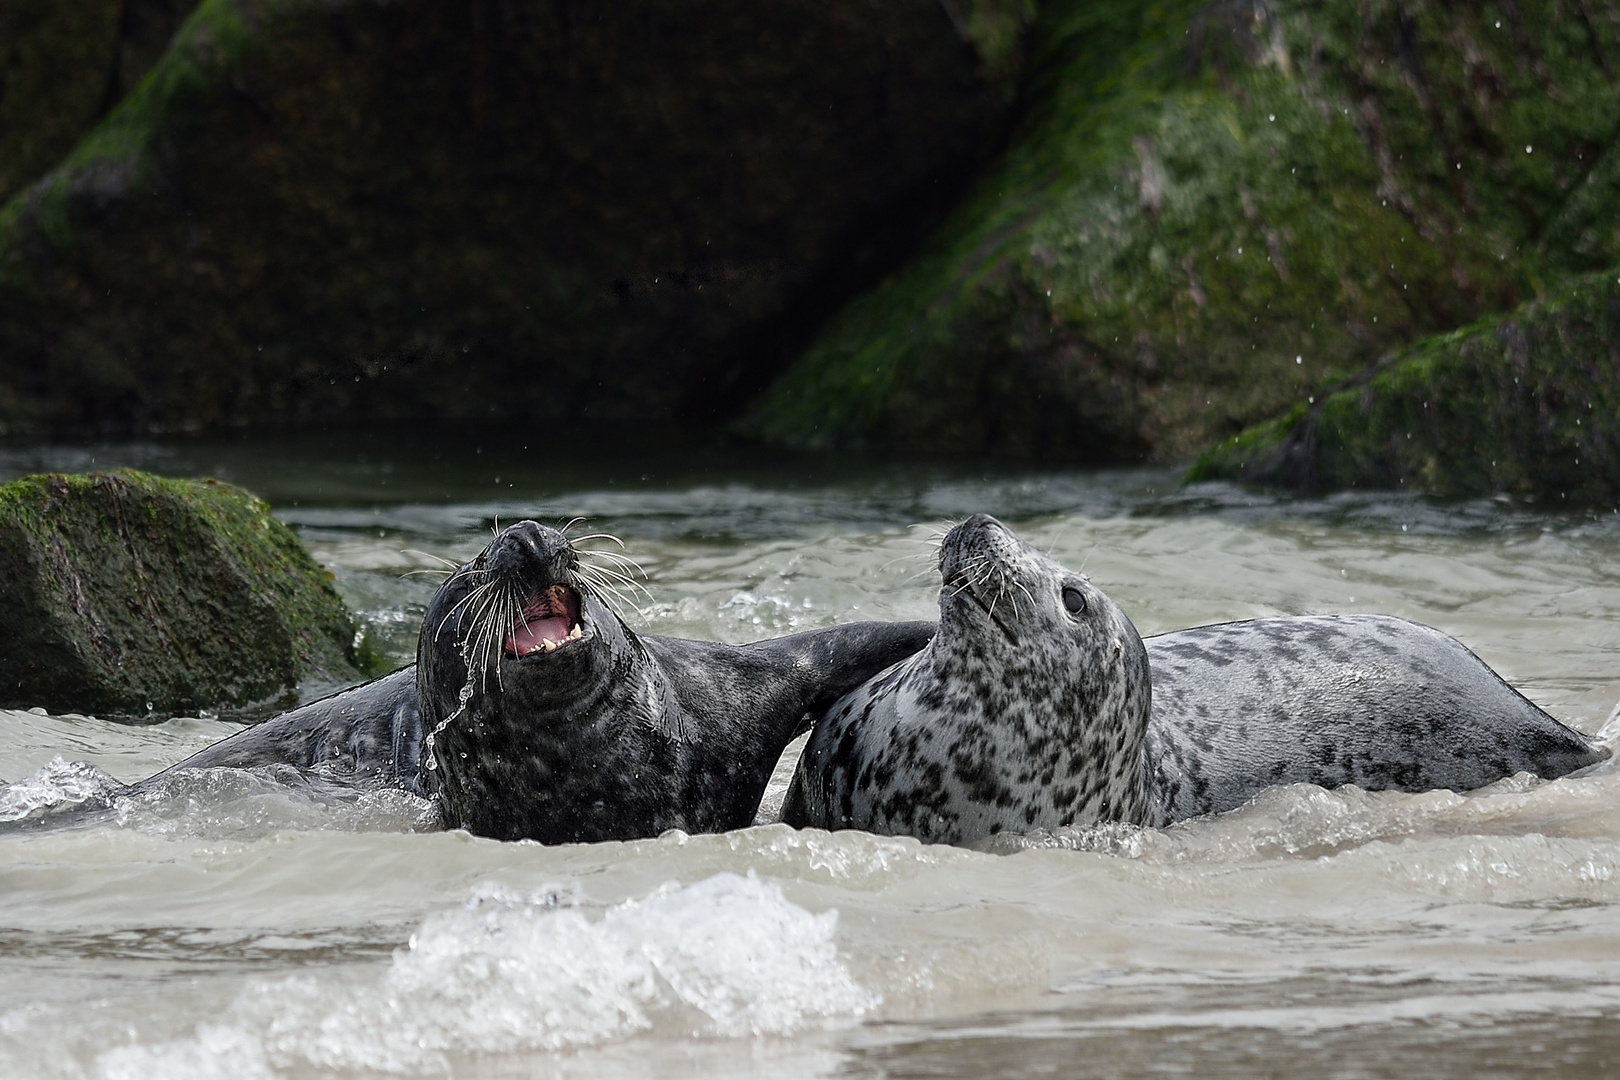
(1027, 710)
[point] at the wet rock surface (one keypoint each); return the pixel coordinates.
(1210, 210)
(1526, 404)
(543, 213)
(63, 64)
(134, 597)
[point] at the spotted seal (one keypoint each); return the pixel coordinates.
(1370, 700)
(1028, 709)
(1032, 708)
(534, 712)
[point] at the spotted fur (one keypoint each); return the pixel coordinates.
(1370, 700)
(1018, 715)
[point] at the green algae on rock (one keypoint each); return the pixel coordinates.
(405, 209)
(1526, 404)
(63, 64)
(135, 597)
(1210, 209)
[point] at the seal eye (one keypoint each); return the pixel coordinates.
(1074, 601)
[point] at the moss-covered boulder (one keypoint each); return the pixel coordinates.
(63, 64)
(1527, 404)
(537, 212)
(131, 596)
(1212, 208)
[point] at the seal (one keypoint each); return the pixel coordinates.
(365, 736)
(1028, 709)
(533, 711)
(1370, 700)
(1033, 708)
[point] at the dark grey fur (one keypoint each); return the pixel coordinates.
(613, 736)
(368, 735)
(1370, 700)
(999, 724)
(1020, 714)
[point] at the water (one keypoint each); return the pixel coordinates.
(230, 926)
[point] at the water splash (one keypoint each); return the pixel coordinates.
(430, 760)
(60, 785)
(727, 957)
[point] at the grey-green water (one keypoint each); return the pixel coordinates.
(248, 931)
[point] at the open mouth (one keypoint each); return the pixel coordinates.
(548, 622)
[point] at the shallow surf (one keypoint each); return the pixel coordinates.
(231, 925)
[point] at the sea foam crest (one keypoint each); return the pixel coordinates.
(728, 956)
(59, 785)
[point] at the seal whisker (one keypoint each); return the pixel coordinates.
(569, 524)
(622, 562)
(473, 598)
(617, 574)
(474, 655)
(605, 589)
(908, 557)
(466, 570)
(450, 564)
(627, 569)
(578, 540)
(503, 618)
(459, 605)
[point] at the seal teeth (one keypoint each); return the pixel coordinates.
(576, 633)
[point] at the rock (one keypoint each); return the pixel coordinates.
(134, 597)
(1526, 404)
(544, 213)
(1209, 210)
(63, 64)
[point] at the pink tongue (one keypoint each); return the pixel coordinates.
(526, 637)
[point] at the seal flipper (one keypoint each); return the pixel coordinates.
(752, 700)
(373, 732)
(837, 660)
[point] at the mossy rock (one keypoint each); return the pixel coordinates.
(63, 64)
(1210, 209)
(541, 213)
(1527, 404)
(134, 597)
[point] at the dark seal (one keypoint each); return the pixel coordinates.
(1031, 709)
(534, 712)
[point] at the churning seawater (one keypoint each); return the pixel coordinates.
(231, 926)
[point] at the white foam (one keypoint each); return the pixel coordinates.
(58, 785)
(252, 803)
(726, 957)
(216, 1053)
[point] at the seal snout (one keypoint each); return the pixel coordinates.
(537, 564)
(965, 548)
(973, 564)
